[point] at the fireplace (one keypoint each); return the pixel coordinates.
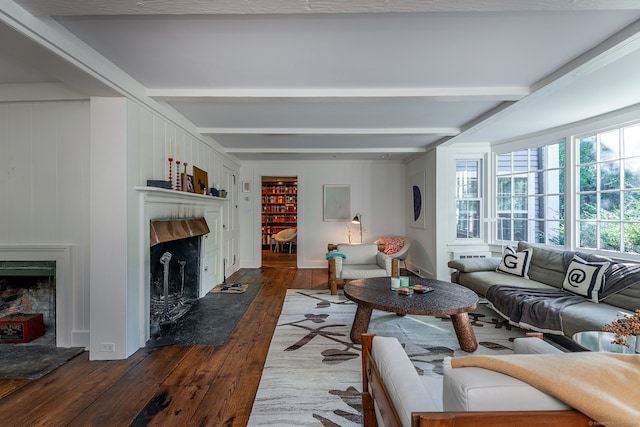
(174, 260)
(44, 273)
(28, 287)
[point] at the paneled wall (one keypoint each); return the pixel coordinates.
(44, 187)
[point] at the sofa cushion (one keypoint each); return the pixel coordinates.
(546, 264)
(359, 254)
(481, 281)
(589, 316)
(585, 278)
(516, 263)
(469, 265)
(477, 389)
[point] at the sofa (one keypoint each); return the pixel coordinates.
(393, 394)
(358, 261)
(552, 270)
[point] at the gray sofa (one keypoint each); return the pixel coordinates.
(547, 271)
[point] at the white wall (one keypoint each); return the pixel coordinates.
(44, 188)
(378, 192)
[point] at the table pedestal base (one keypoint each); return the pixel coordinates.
(461, 324)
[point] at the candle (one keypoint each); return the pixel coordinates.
(395, 283)
(178, 148)
(170, 149)
(404, 281)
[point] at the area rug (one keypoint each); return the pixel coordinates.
(230, 288)
(210, 321)
(18, 361)
(312, 374)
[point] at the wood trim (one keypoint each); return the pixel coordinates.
(567, 418)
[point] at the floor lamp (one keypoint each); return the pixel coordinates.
(358, 220)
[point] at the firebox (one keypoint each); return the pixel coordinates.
(29, 287)
(174, 262)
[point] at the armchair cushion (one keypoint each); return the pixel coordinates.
(359, 254)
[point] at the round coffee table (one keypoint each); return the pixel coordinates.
(445, 299)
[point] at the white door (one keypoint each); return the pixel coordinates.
(230, 233)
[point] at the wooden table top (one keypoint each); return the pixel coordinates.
(445, 299)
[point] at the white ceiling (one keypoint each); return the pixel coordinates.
(355, 79)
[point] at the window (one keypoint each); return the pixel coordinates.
(608, 190)
(530, 195)
(468, 199)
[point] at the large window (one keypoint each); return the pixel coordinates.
(468, 199)
(530, 195)
(608, 190)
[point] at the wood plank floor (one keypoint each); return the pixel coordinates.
(168, 386)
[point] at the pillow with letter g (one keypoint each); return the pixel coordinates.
(516, 263)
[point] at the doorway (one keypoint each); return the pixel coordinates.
(279, 215)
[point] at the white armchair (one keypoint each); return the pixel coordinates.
(358, 261)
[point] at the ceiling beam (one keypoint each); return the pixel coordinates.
(390, 150)
(219, 7)
(330, 131)
(510, 93)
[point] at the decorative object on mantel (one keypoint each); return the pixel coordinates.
(177, 175)
(200, 180)
(623, 328)
(188, 183)
(171, 171)
(183, 177)
(159, 183)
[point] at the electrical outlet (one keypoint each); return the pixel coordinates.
(108, 347)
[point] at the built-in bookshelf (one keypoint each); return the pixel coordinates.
(279, 206)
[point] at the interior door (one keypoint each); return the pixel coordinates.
(230, 232)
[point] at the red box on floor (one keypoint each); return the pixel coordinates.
(21, 328)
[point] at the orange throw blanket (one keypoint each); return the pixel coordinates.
(603, 386)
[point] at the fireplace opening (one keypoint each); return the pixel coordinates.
(29, 287)
(175, 282)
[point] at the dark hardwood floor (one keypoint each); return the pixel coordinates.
(168, 386)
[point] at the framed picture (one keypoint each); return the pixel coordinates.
(200, 181)
(337, 202)
(187, 183)
(246, 186)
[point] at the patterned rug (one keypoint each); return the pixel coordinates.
(312, 375)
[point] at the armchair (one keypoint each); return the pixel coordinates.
(287, 235)
(395, 247)
(358, 261)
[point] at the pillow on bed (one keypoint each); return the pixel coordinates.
(585, 278)
(516, 263)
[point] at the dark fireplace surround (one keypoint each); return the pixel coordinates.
(174, 261)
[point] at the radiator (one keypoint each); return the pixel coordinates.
(472, 254)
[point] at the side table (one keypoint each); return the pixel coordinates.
(602, 342)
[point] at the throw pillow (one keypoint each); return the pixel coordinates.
(392, 245)
(585, 278)
(516, 263)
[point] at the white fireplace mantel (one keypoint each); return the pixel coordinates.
(61, 254)
(160, 203)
